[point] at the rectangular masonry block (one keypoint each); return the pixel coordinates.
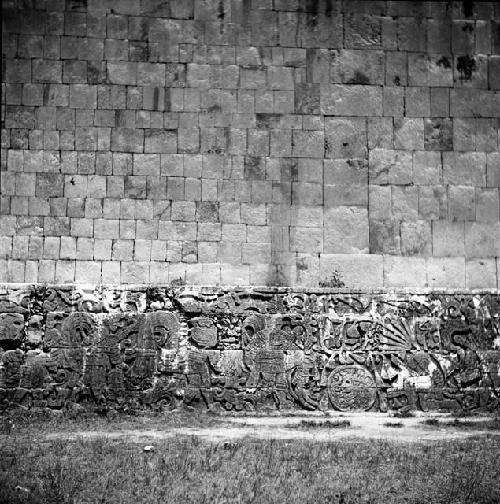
(355, 271)
(350, 100)
(404, 272)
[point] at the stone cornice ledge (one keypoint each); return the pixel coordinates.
(249, 288)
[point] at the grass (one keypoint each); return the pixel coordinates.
(404, 413)
(189, 470)
(328, 424)
(492, 424)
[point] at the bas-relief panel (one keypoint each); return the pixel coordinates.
(247, 349)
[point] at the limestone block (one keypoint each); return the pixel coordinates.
(346, 230)
(82, 227)
(46, 271)
(464, 137)
(362, 67)
(487, 205)
(404, 272)
(411, 34)
(254, 214)
(258, 142)
(256, 253)
(146, 229)
(385, 236)
(493, 169)
(18, 70)
(467, 102)
(280, 77)
(439, 36)
(106, 228)
(134, 272)
(310, 144)
(65, 272)
(362, 31)
(345, 195)
(345, 137)
(56, 226)
(448, 238)
(390, 166)
(127, 140)
(306, 239)
(82, 96)
(321, 30)
(235, 274)
(409, 134)
(379, 202)
(135, 186)
(432, 202)
(462, 203)
(393, 101)
(426, 167)
(494, 72)
(356, 271)
(440, 102)
(46, 71)
(417, 101)
(480, 274)
(446, 272)
(464, 168)
(351, 100)
(380, 133)
(209, 231)
(306, 193)
(416, 238)
(88, 272)
(162, 141)
(482, 239)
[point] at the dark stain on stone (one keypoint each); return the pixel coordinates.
(156, 97)
(46, 94)
(167, 102)
(76, 5)
(214, 109)
(466, 65)
(359, 78)
(254, 168)
(468, 7)
(267, 121)
(311, 21)
(301, 265)
(328, 8)
(444, 62)
(221, 15)
(345, 144)
(220, 11)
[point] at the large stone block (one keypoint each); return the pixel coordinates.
(346, 230)
(390, 166)
(350, 100)
(127, 140)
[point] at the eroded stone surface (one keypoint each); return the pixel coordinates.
(245, 349)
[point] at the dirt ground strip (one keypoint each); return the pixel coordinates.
(362, 426)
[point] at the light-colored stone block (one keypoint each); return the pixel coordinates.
(356, 271)
(446, 272)
(346, 230)
(404, 272)
(481, 273)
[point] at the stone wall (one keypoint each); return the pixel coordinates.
(251, 142)
(240, 349)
